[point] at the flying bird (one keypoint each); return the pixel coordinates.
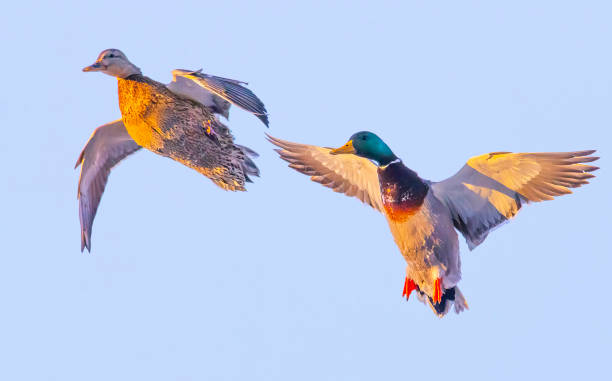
(423, 215)
(178, 120)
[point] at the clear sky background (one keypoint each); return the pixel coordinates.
(290, 281)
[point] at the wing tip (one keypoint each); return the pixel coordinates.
(264, 119)
(85, 241)
(276, 141)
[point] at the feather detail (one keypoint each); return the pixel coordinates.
(348, 174)
(490, 188)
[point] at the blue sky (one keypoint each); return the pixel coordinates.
(290, 280)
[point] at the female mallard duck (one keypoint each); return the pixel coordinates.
(175, 120)
(423, 215)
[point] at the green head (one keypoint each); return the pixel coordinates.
(369, 145)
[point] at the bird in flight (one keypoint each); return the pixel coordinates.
(178, 120)
(423, 215)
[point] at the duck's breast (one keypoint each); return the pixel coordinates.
(421, 225)
(141, 103)
(402, 191)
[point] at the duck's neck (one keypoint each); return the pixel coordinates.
(391, 160)
(380, 153)
(403, 191)
(124, 71)
(387, 159)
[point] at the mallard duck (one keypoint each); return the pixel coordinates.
(176, 120)
(423, 215)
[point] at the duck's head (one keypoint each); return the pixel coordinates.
(369, 145)
(114, 63)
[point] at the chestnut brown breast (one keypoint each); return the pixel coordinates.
(402, 190)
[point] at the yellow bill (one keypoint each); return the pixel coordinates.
(347, 148)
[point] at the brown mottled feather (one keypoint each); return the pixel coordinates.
(173, 126)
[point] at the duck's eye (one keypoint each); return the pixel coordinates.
(363, 138)
(110, 56)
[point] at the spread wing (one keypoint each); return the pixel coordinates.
(348, 174)
(108, 145)
(228, 89)
(490, 188)
(187, 88)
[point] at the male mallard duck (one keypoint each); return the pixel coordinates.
(423, 215)
(175, 120)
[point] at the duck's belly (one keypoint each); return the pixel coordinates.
(144, 135)
(429, 244)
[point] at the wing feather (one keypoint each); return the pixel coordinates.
(491, 188)
(106, 147)
(189, 89)
(530, 174)
(348, 174)
(228, 89)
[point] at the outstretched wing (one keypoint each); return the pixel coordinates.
(228, 89)
(490, 188)
(348, 174)
(108, 145)
(187, 88)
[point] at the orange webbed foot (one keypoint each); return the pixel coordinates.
(409, 286)
(437, 296)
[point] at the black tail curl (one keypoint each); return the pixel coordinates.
(441, 308)
(447, 296)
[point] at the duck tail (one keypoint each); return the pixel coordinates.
(451, 296)
(248, 165)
